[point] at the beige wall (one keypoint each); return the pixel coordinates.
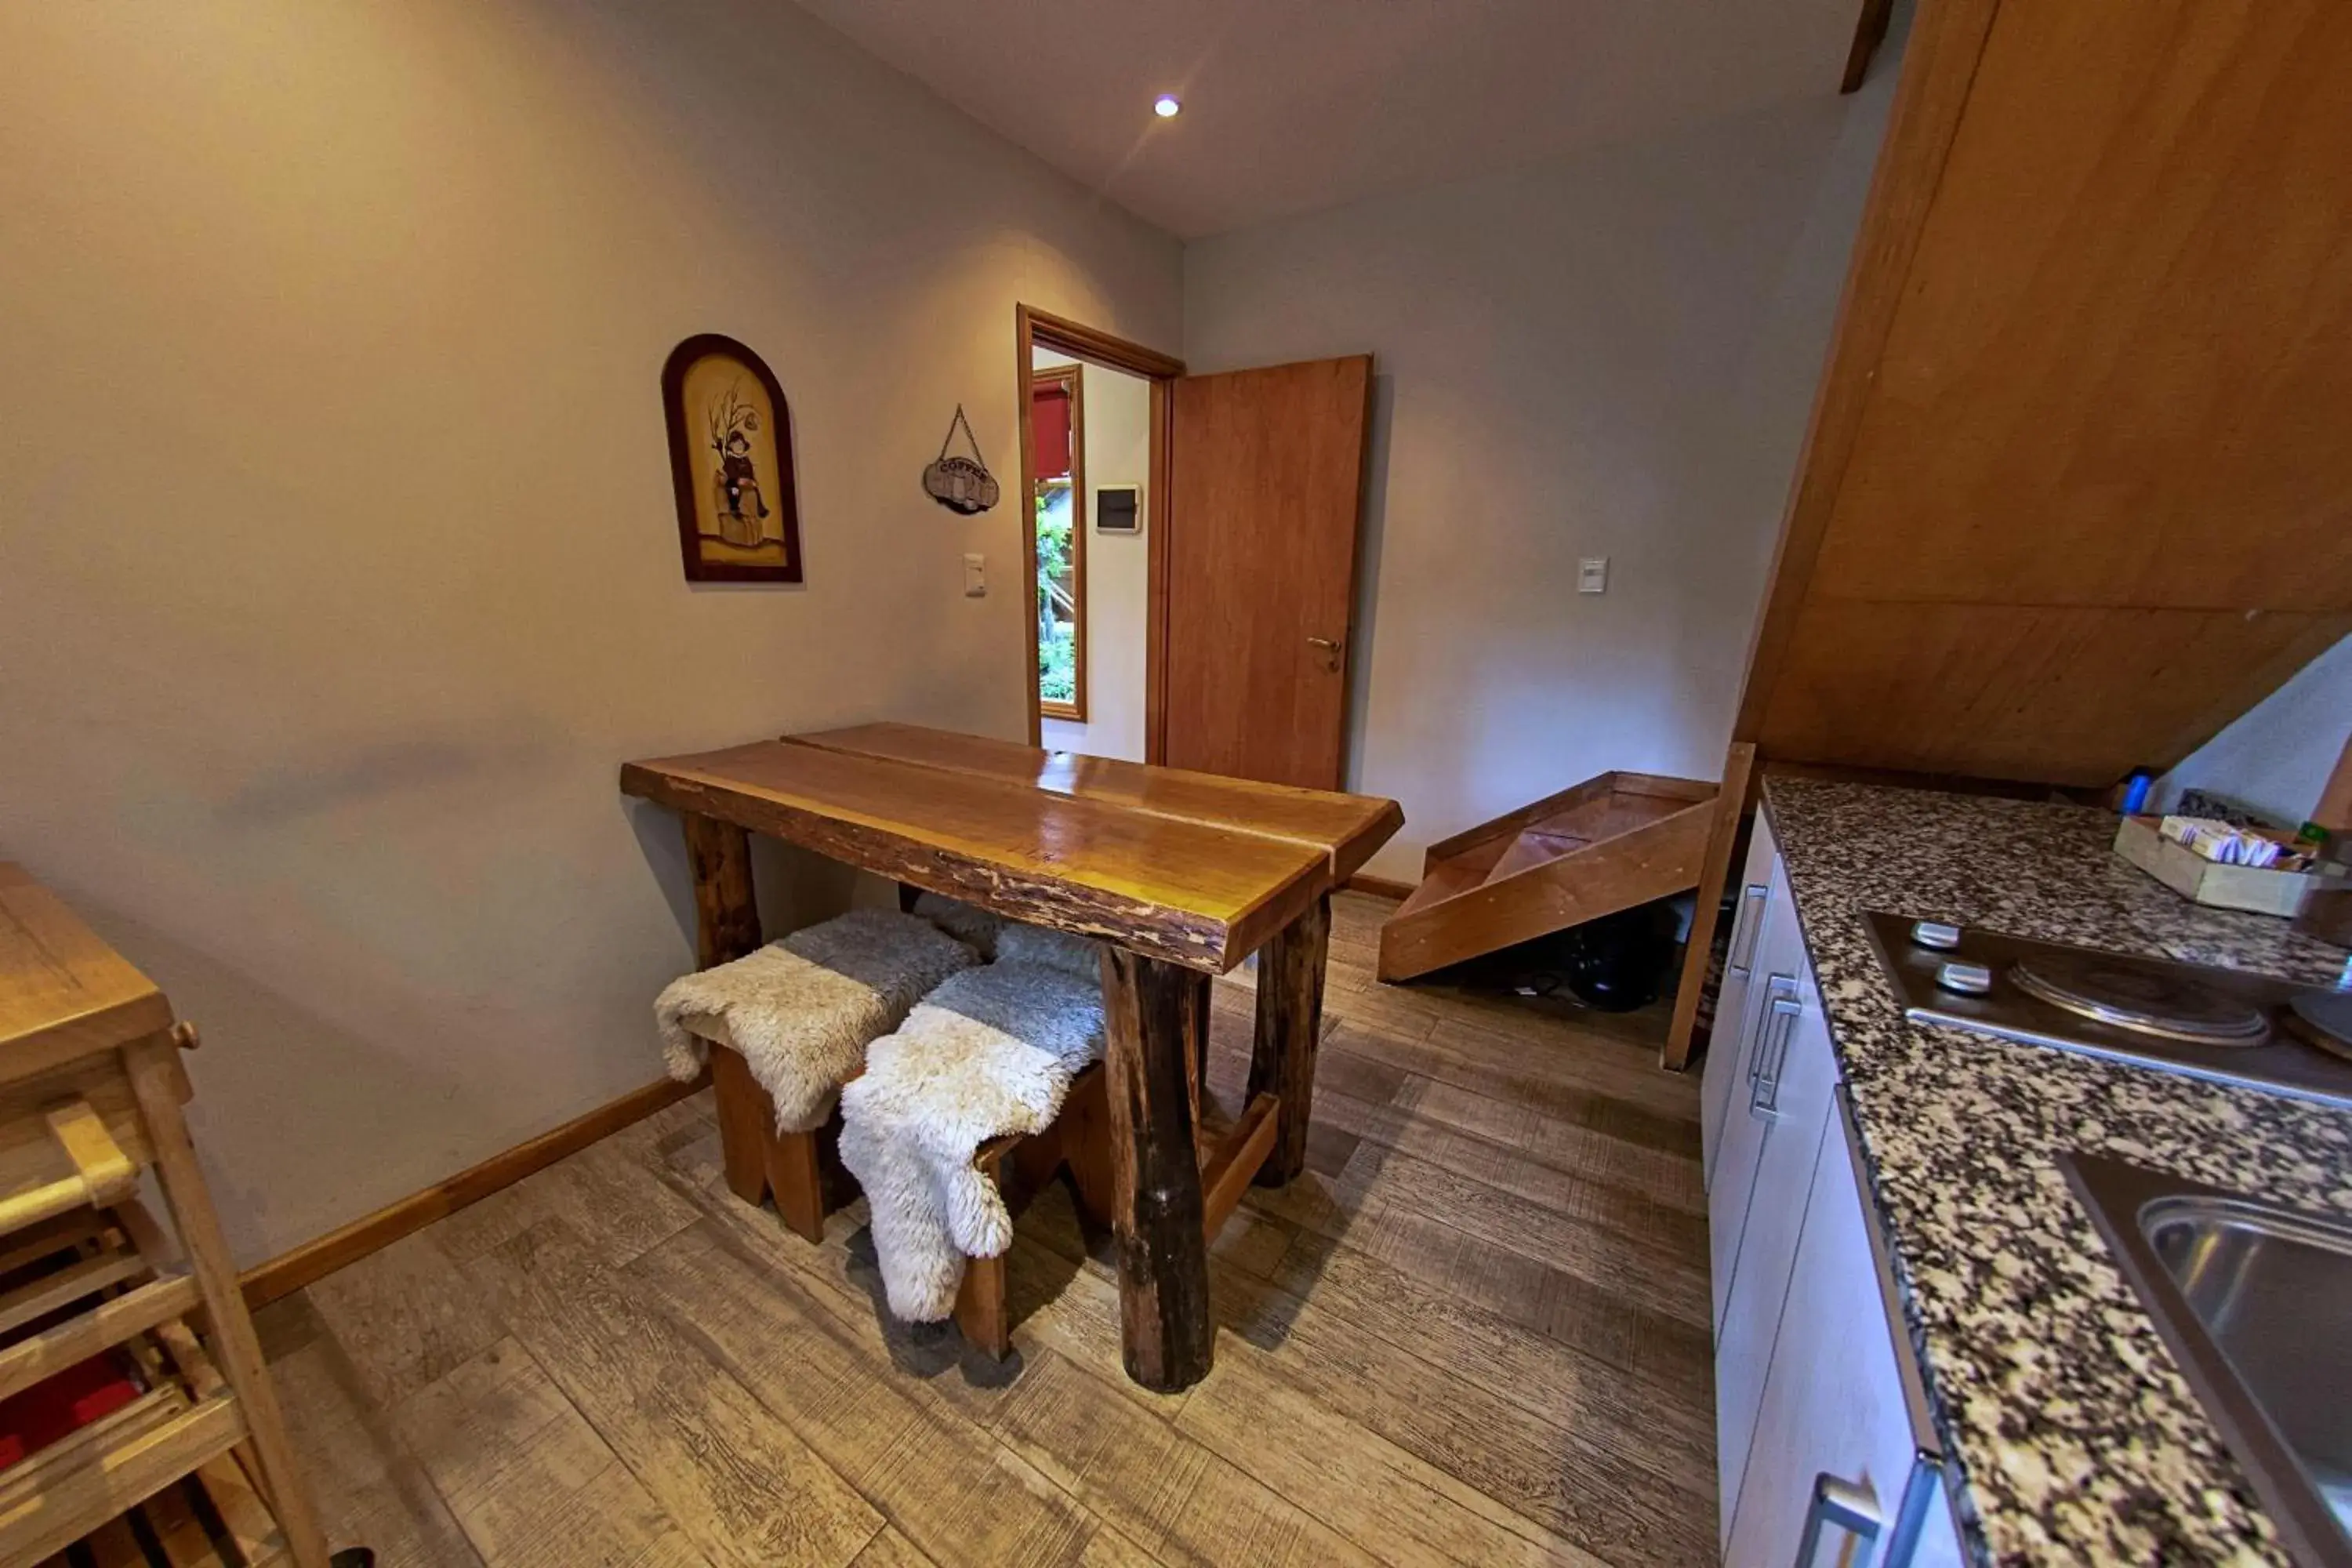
(2276, 757)
(1611, 355)
(1119, 582)
(337, 564)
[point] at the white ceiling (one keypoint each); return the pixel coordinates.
(1292, 105)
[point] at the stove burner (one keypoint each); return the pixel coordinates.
(2127, 996)
(2325, 1018)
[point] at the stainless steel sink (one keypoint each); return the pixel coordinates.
(2255, 1302)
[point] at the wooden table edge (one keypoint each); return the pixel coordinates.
(1193, 940)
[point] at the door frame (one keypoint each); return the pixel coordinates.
(1032, 327)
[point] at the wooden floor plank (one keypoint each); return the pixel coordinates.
(943, 1483)
(891, 1550)
(1528, 1076)
(1406, 1512)
(1587, 1176)
(528, 1479)
(1109, 1548)
(404, 1316)
(1048, 1310)
(366, 1487)
(1669, 1352)
(1153, 1484)
(1533, 1130)
(1646, 1274)
(1581, 1483)
(1475, 1331)
(601, 1192)
(1659, 1422)
(1652, 1197)
(1583, 1062)
(741, 1484)
(1575, 1469)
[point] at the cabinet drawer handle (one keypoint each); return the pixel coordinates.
(1745, 928)
(1845, 1506)
(1781, 1014)
(1778, 987)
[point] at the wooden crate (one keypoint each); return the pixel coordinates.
(2193, 877)
(1609, 843)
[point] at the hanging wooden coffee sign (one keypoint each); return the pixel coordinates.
(731, 459)
(960, 483)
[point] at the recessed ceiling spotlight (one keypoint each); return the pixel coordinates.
(1166, 107)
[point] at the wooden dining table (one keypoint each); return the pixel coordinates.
(1182, 875)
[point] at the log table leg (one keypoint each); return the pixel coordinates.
(1289, 1023)
(1155, 1015)
(726, 927)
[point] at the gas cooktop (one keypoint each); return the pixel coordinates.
(2221, 1025)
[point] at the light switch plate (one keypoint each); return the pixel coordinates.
(1592, 575)
(975, 576)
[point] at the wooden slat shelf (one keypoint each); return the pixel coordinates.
(91, 1091)
(104, 1477)
(213, 1519)
(81, 1487)
(76, 1282)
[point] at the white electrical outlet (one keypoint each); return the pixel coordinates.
(1592, 575)
(975, 576)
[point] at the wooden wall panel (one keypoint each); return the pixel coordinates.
(2079, 487)
(2122, 370)
(2064, 694)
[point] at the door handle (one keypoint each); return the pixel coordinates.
(1330, 648)
(1745, 930)
(1843, 1506)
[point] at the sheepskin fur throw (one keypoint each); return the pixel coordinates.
(972, 926)
(801, 1011)
(1018, 943)
(990, 1052)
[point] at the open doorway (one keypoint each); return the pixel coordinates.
(1092, 460)
(1238, 545)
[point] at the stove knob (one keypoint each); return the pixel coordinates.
(1938, 934)
(1968, 979)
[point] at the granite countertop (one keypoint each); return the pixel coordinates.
(2077, 1439)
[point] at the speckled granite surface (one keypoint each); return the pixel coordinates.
(2078, 1439)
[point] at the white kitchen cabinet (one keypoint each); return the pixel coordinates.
(1840, 1426)
(1783, 1112)
(1819, 1417)
(1780, 955)
(1734, 996)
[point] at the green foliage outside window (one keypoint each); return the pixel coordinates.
(1056, 620)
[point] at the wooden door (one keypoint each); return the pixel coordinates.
(1265, 485)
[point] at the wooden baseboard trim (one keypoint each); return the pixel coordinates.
(1379, 886)
(289, 1271)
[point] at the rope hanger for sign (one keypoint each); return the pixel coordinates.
(960, 483)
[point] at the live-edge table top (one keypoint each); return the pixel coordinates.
(1194, 868)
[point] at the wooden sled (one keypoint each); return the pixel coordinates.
(1609, 843)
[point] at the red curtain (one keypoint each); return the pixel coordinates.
(1049, 429)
